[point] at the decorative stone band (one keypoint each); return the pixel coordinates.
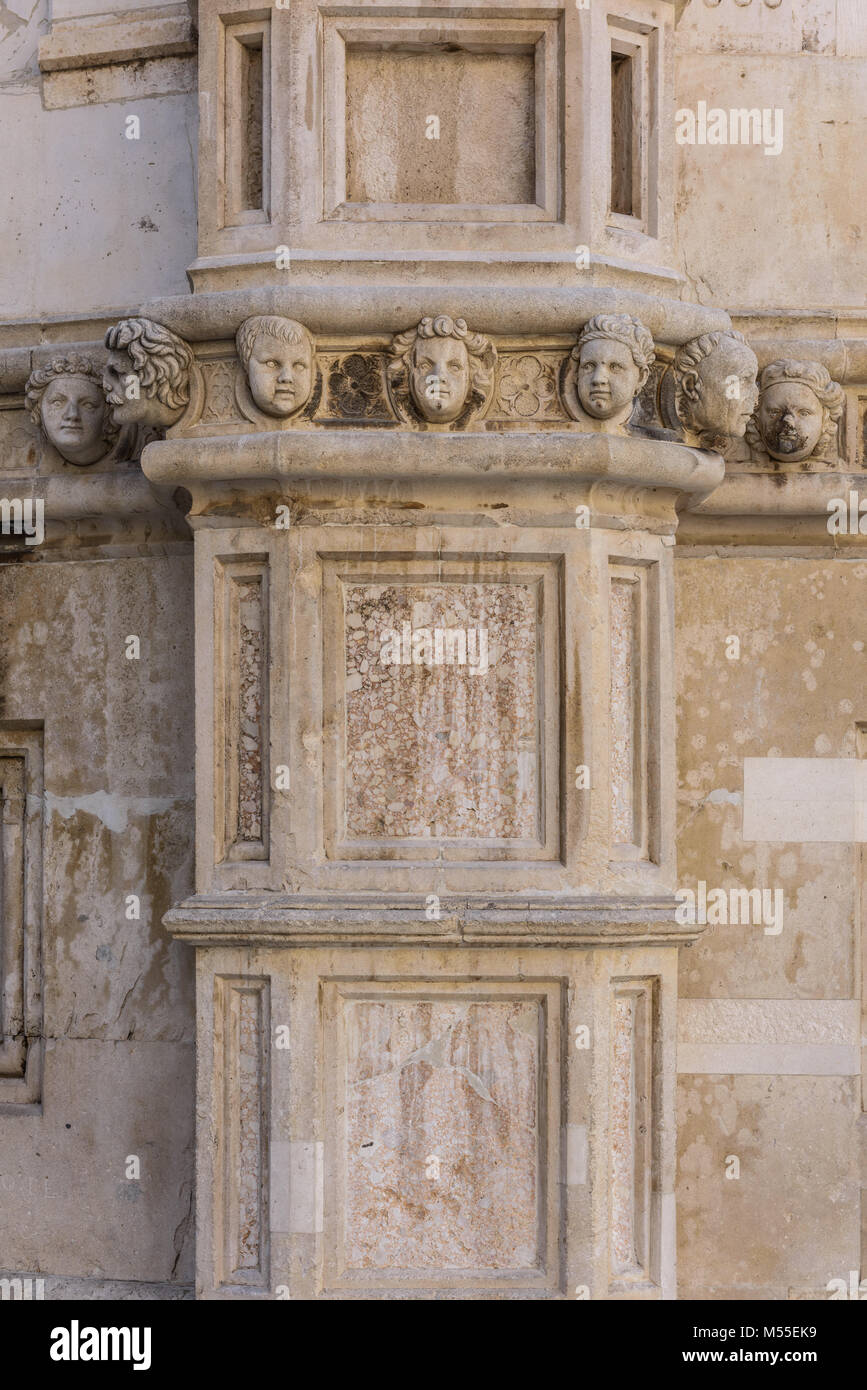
(121, 495)
(399, 919)
(275, 457)
(339, 309)
(780, 1037)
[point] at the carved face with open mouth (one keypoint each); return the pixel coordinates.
(791, 420)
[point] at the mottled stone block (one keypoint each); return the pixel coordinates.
(441, 1134)
(446, 746)
(785, 1218)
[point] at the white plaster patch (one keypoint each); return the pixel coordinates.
(279, 1193)
(768, 1037)
(805, 800)
(576, 1155)
(113, 811)
(305, 1188)
(721, 796)
(790, 1059)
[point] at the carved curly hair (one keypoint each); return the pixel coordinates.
(161, 360)
(624, 329)
(284, 330)
(479, 348)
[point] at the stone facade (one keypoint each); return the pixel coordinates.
(432, 727)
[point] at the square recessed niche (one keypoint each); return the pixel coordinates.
(441, 699)
(480, 1062)
(427, 123)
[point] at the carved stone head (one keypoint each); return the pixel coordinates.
(715, 387)
(612, 361)
(445, 363)
(65, 399)
(277, 355)
(147, 376)
(798, 412)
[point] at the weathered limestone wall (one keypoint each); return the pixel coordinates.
(769, 1024)
(786, 230)
(93, 219)
(385, 232)
(117, 994)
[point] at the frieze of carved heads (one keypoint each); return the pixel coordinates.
(147, 376)
(441, 372)
(798, 414)
(715, 388)
(66, 401)
(606, 372)
(278, 358)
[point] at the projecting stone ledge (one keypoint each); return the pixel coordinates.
(299, 455)
(395, 919)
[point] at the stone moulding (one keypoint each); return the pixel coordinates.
(375, 453)
(160, 32)
(297, 920)
(115, 495)
(391, 308)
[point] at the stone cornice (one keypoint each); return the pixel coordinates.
(129, 36)
(300, 455)
(397, 919)
(117, 498)
(368, 308)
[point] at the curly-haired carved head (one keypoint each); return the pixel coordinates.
(444, 362)
(715, 385)
(277, 355)
(65, 399)
(798, 413)
(613, 356)
(147, 376)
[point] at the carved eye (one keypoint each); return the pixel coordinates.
(454, 366)
(426, 364)
(299, 366)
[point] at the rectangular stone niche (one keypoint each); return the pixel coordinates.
(21, 811)
(241, 763)
(447, 751)
(442, 1133)
(433, 123)
(246, 123)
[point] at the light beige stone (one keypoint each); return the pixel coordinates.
(433, 570)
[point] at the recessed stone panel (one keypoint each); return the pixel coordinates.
(439, 1129)
(442, 710)
(481, 148)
